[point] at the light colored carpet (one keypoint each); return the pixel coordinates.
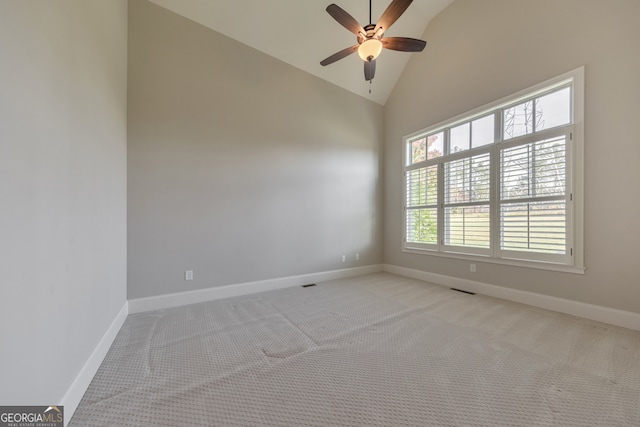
(376, 350)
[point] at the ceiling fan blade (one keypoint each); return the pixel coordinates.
(403, 44)
(369, 69)
(345, 19)
(339, 55)
(392, 13)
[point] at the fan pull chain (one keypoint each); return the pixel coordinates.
(370, 83)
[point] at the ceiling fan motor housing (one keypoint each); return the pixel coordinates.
(369, 33)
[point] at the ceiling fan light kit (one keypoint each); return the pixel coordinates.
(370, 49)
(371, 38)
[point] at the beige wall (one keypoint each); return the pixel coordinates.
(480, 51)
(241, 167)
(63, 66)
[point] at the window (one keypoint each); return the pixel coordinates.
(503, 182)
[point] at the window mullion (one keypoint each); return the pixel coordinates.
(441, 185)
(569, 193)
(494, 201)
(496, 179)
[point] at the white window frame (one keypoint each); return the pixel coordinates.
(573, 260)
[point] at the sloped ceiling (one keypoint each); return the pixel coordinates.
(301, 33)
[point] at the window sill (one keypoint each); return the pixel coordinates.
(538, 265)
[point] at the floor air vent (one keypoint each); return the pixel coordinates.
(309, 285)
(464, 292)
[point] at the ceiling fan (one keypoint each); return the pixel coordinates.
(371, 38)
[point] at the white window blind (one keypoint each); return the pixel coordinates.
(467, 202)
(422, 201)
(501, 182)
(533, 198)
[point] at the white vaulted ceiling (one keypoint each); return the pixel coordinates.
(301, 33)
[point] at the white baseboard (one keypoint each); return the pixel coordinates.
(608, 315)
(140, 305)
(76, 391)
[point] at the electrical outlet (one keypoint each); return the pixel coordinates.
(344, 258)
(188, 275)
(357, 257)
(472, 268)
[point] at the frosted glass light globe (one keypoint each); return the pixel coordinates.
(370, 48)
